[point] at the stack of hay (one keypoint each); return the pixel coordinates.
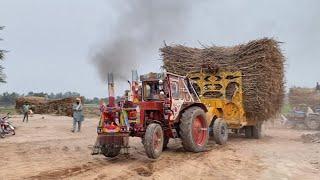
(307, 96)
(260, 61)
(40, 105)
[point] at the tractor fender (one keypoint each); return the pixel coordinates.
(156, 122)
(202, 106)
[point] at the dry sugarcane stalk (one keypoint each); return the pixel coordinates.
(41, 105)
(260, 61)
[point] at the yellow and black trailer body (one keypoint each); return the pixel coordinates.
(221, 92)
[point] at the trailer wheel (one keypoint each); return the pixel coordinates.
(153, 140)
(220, 131)
(194, 129)
(110, 150)
(248, 131)
(256, 131)
(313, 121)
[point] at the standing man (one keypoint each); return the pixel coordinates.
(25, 110)
(77, 115)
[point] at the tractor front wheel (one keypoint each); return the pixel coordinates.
(153, 141)
(194, 129)
(220, 131)
(110, 151)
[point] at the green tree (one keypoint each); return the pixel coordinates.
(7, 99)
(2, 75)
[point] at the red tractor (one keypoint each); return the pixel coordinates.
(168, 107)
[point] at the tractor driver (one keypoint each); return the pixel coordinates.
(151, 91)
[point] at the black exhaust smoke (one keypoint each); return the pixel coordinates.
(140, 30)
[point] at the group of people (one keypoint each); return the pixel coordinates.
(78, 116)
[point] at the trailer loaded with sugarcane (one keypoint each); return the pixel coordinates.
(202, 92)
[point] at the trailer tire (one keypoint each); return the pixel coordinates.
(153, 141)
(257, 131)
(220, 131)
(248, 131)
(194, 129)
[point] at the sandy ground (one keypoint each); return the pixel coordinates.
(45, 148)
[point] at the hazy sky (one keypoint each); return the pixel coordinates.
(52, 43)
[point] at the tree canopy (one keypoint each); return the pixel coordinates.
(2, 75)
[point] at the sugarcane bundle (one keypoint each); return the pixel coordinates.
(37, 104)
(260, 62)
(40, 105)
(308, 96)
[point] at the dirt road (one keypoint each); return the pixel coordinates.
(45, 148)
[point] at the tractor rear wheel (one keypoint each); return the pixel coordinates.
(257, 131)
(220, 131)
(194, 129)
(153, 140)
(313, 121)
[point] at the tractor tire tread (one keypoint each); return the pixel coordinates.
(148, 141)
(111, 152)
(186, 129)
(217, 125)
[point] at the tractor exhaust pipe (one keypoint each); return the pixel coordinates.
(134, 86)
(111, 90)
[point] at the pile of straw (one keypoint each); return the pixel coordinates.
(260, 61)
